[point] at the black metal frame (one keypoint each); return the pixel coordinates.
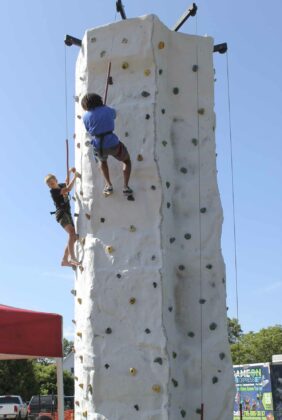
(120, 9)
(191, 11)
(221, 48)
(71, 40)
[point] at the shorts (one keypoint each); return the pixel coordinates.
(65, 219)
(119, 152)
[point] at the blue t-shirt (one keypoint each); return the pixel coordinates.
(100, 120)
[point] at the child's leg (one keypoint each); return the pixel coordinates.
(105, 171)
(70, 246)
(65, 260)
(126, 171)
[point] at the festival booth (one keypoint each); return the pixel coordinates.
(26, 334)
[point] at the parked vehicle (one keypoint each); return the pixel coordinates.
(12, 407)
(47, 404)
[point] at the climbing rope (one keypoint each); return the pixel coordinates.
(109, 80)
(200, 224)
(66, 118)
(233, 214)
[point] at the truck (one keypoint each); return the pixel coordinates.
(12, 407)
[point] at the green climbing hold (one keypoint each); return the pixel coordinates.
(136, 406)
(102, 220)
(170, 308)
(203, 210)
(174, 381)
(187, 236)
(213, 326)
(183, 413)
(168, 205)
(222, 356)
(171, 240)
(183, 170)
(158, 360)
(153, 187)
(155, 285)
(214, 380)
(147, 331)
(195, 142)
(107, 366)
(145, 94)
(160, 71)
(167, 184)
(108, 330)
(147, 116)
(202, 301)
(118, 276)
(163, 111)
(195, 68)
(175, 90)
(209, 266)
(201, 111)
(164, 143)
(191, 334)
(181, 267)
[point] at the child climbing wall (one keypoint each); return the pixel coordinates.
(150, 311)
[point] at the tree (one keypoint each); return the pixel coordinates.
(67, 346)
(234, 330)
(46, 379)
(258, 347)
(18, 377)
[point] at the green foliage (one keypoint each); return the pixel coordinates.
(234, 330)
(17, 377)
(46, 378)
(67, 346)
(258, 347)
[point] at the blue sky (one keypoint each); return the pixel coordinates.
(32, 115)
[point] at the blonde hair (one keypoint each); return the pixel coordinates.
(49, 177)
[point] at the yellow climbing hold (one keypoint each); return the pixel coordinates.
(81, 268)
(90, 389)
(79, 334)
(81, 386)
(133, 371)
(84, 413)
(201, 111)
(79, 300)
(156, 388)
(147, 72)
(109, 249)
(125, 65)
(161, 45)
(82, 241)
(88, 216)
(132, 228)
(81, 358)
(76, 378)
(139, 158)
(132, 301)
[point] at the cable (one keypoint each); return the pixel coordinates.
(66, 117)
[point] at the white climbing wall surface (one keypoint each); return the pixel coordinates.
(150, 312)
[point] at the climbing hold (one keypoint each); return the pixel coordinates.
(175, 90)
(148, 331)
(81, 358)
(81, 268)
(73, 292)
(195, 67)
(102, 53)
(125, 65)
(73, 321)
(107, 366)
(202, 301)
(222, 356)
(124, 41)
(145, 94)
(102, 220)
(163, 111)
(82, 241)
(158, 360)
(81, 192)
(174, 354)
(191, 334)
(175, 383)
(155, 284)
(73, 197)
(81, 386)
(161, 45)
(195, 142)
(213, 326)
(147, 117)
(167, 185)
(82, 78)
(168, 205)
(209, 266)
(87, 143)
(130, 198)
(88, 216)
(76, 214)
(126, 134)
(132, 300)
(84, 414)
(160, 71)
(170, 308)
(76, 98)
(118, 276)
(153, 187)
(77, 403)
(93, 39)
(132, 228)
(181, 267)
(214, 380)
(164, 143)
(198, 411)
(76, 378)
(109, 249)
(201, 111)
(147, 72)
(79, 334)
(187, 236)
(156, 388)
(74, 136)
(136, 407)
(171, 240)
(108, 330)
(203, 210)
(183, 413)
(79, 117)
(90, 389)
(79, 300)
(139, 158)
(183, 170)
(133, 371)
(223, 280)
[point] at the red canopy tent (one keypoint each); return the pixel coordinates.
(28, 334)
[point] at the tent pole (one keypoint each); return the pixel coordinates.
(60, 387)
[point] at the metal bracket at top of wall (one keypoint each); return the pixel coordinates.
(191, 11)
(120, 9)
(221, 48)
(71, 40)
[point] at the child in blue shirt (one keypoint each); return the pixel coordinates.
(99, 123)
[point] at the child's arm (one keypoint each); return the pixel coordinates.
(67, 189)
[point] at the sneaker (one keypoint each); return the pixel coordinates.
(108, 189)
(127, 191)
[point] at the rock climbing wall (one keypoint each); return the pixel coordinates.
(150, 312)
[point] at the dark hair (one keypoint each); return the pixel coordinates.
(90, 101)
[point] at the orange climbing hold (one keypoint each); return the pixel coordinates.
(161, 45)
